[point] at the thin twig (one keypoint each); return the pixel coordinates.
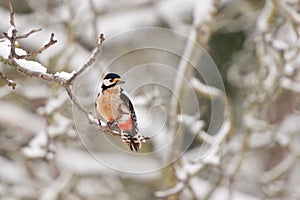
(65, 83)
(68, 87)
(26, 35)
(12, 40)
(13, 33)
(186, 70)
(14, 37)
(80, 107)
(51, 42)
(9, 82)
(91, 60)
(44, 76)
(12, 20)
(88, 115)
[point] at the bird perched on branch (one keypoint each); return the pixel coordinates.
(114, 105)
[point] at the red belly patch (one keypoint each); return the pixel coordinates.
(126, 126)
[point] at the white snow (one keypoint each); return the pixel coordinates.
(5, 48)
(289, 69)
(272, 71)
(203, 12)
(188, 168)
(177, 188)
(260, 139)
(20, 51)
(93, 119)
(206, 89)
(61, 125)
(287, 128)
(211, 152)
(37, 146)
(256, 124)
(64, 75)
(31, 65)
(53, 104)
(192, 122)
(200, 187)
(280, 44)
(10, 31)
(289, 84)
(263, 18)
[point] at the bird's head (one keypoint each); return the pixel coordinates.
(111, 80)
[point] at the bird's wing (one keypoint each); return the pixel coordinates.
(127, 103)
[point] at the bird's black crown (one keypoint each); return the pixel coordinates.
(112, 76)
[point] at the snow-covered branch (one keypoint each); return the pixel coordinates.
(17, 58)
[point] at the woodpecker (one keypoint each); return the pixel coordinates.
(114, 105)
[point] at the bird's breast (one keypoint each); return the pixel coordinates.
(104, 106)
(108, 106)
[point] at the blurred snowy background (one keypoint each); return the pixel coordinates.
(255, 153)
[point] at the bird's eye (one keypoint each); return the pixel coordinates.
(110, 80)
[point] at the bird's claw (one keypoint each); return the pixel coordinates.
(112, 124)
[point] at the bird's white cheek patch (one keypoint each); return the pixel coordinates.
(106, 82)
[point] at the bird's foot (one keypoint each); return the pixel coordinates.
(113, 125)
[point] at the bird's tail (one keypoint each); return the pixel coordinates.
(133, 142)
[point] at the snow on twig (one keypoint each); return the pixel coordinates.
(17, 59)
(64, 75)
(169, 192)
(206, 90)
(190, 57)
(39, 147)
(200, 33)
(31, 65)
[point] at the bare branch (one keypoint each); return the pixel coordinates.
(88, 115)
(26, 35)
(91, 60)
(66, 83)
(51, 42)
(79, 106)
(12, 20)
(63, 82)
(68, 87)
(44, 76)
(12, 39)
